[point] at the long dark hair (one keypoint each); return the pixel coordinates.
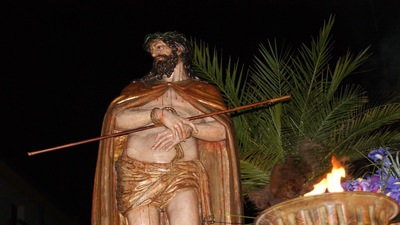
(174, 40)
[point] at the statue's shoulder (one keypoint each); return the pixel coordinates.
(133, 90)
(203, 86)
(204, 91)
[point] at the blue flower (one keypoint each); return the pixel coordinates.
(380, 155)
(375, 183)
(385, 180)
(393, 188)
(368, 184)
(353, 185)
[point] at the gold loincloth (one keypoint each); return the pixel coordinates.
(142, 183)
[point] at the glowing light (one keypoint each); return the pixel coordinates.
(332, 182)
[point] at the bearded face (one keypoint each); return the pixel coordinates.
(165, 64)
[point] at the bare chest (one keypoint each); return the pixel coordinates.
(172, 99)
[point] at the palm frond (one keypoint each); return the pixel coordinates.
(252, 177)
(332, 113)
(344, 67)
(268, 73)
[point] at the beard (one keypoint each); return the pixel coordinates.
(165, 66)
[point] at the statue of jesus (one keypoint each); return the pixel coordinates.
(182, 172)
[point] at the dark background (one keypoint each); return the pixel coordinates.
(64, 62)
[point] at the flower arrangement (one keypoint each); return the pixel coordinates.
(384, 180)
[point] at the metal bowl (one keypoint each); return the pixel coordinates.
(332, 208)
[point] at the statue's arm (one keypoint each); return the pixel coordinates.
(210, 130)
(205, 130)
(133, 118)
(136, 117)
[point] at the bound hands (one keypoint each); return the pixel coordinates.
(178, 128)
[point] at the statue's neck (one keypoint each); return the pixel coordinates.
(179, 74)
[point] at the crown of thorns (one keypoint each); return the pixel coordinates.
(171, 37)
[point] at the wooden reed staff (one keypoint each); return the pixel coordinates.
(269, 101)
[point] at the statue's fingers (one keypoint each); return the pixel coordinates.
(182, 132)
(161, 136)
(161, 139)
(170, 146)
(179, 132)
(165, 145)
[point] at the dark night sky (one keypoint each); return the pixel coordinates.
(65, 61)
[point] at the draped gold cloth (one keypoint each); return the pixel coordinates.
(220, 159)
(142, 183)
